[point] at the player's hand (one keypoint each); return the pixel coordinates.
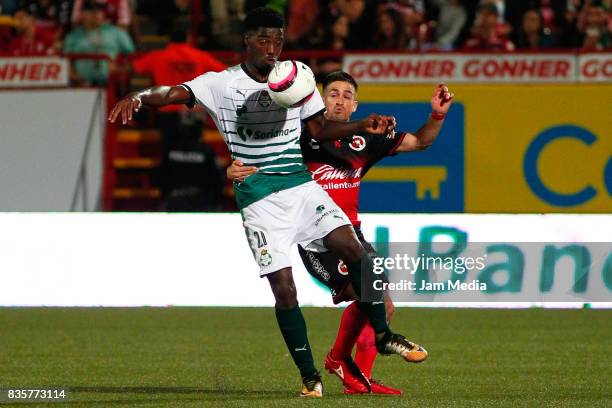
(238, 172)
(441, 99)
(378, 124)
(126, 107)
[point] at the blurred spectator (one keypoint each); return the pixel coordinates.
(29, 39)
(390, 34)
(177, 63)
(451, 19)
(567, 21)
(8, 7)
(191, 180)
(162, 12)
(302, 18)
(360, 15)
(339, 33)
(52, 15)
(7, 22)
(532, 35)
(503, 28)
(485, 34)
(596, 28)
(118, 12)
(95, 36)
(226, 21)
(412, 14)
(547, 16)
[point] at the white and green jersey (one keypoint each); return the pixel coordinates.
(256, 130)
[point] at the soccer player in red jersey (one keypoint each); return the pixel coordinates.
(338, 166)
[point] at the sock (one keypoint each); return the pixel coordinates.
(351, 324)
(366, 350)
(375, 311)
(293, 327)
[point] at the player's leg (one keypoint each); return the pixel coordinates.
(266, 227)
(365, 350)
(320, 219)
(293, 328)
(343, 241)
(366, 354)
(325, 267)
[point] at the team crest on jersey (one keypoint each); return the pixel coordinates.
(358, 143)
(264, 99)
(265, 259)
(342, 268)
(320, 209)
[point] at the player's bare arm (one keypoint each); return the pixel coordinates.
(427, 134)
(155, 97)
(237, 171)
(323, 129)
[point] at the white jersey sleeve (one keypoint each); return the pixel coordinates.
(314, 106)
(207, 89)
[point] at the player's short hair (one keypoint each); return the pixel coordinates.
(339, 76)
(263, 17)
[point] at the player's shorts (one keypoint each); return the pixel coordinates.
(328, 269)
(304, 214)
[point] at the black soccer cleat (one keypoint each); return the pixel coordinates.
(393, 343)
(312, 385)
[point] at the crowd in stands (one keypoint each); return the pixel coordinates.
(42, 27)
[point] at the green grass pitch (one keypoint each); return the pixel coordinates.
(235, 357)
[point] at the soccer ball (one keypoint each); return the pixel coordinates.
(291, 83)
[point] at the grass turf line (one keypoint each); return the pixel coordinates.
(235, 357)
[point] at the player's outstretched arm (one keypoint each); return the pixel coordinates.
(427, 134)
(323, 129)
(155, 97)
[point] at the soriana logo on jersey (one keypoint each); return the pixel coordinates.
(431, 180)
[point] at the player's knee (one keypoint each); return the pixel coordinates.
(283, 289)
(286, 297)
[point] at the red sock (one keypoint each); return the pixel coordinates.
(366, 350)
(351, 324)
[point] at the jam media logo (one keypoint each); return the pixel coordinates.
(427, 181)
(554, 194)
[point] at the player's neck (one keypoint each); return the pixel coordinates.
(252, 71)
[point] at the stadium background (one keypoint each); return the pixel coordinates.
(524, 156)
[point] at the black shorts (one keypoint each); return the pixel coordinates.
(328, 269)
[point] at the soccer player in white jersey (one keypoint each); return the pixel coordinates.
(281, 205)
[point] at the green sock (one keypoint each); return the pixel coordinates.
(293, 327)
(362, 276)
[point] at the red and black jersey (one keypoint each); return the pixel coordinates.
(339, 165)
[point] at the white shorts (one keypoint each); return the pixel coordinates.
(303, 215)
